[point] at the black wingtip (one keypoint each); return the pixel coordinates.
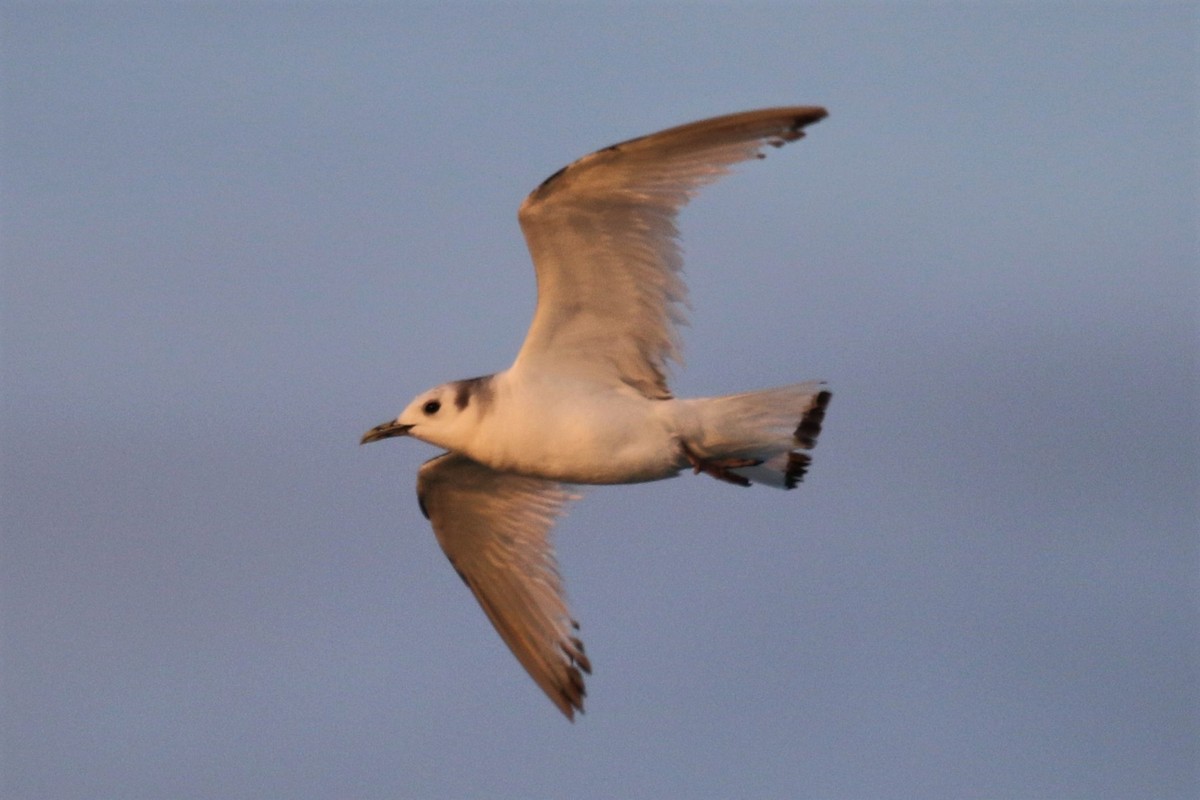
(799, 122)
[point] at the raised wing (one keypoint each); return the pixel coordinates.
(495, 529)
(603, 238)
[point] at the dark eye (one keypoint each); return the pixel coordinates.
(431, 407)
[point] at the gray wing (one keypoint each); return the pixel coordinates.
(603, 239)
(495, 529)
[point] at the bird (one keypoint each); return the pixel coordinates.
(586, 400)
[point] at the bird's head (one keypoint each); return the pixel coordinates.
(444, 415)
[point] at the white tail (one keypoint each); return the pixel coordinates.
(766, 427)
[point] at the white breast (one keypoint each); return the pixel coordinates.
(557, 429)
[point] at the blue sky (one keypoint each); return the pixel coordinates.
(234, 237)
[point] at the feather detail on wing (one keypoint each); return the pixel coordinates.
(603, 239)
(495, 529)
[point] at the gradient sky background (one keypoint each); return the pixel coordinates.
(237, 236)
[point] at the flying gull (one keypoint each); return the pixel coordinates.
(586, 400)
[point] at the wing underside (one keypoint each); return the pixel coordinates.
(495, 529)
(603, 239)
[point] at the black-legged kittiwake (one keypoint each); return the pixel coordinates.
(586, 400)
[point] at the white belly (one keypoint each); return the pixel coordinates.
(610, 436)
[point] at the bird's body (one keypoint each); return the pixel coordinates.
(552, 428)
(586, 400)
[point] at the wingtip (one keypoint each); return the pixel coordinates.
(571, 692)
(800, 119)
(571, 701)
(808, 115)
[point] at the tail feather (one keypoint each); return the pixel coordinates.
(767, 426)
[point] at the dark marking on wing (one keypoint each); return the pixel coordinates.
(576, 653)
(552, 178)
(793, 132)
(566, 687)
(578, 661)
